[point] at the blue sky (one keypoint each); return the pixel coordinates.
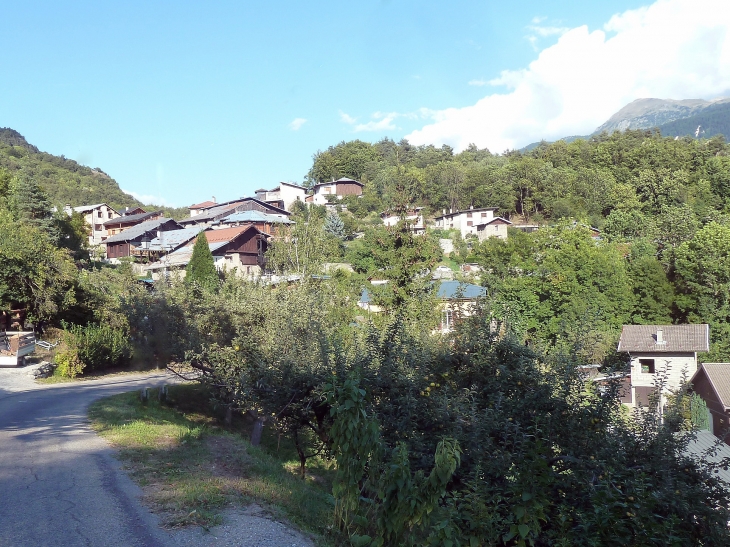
(181, 101)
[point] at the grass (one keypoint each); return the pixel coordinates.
(191, 468)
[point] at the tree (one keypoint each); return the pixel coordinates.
(30, 205)
(334, 226)
(201, 268)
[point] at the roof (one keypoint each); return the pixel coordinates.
(448, 290)
(129, 219)
(676, 338)
(255, 216)
(458, 212)
(220, 210)
(203, 205)
(495, 220)
(718, 375)
(181, 257)
(452, 290)
(138, 230)
(341, 179)
(85, 208)
(225, 235)
(172, 239)
(706, 449)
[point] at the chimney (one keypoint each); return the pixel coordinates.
(214, 201)
(660, 336)
(444, 211)
(451, 211)
(471, 207)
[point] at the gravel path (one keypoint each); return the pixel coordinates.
(61, 485)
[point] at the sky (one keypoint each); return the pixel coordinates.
(181, 101)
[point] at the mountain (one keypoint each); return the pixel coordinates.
(672, 118)
(64, 180)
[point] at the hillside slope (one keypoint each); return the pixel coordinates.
(713, 120)
(65, 181)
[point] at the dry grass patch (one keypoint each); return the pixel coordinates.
(191, 469)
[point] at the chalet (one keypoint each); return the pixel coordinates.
(266, 223)
(465, 221)
(131, 211)
(458, 300)
(95, 216)
(283, 196)
(497, 227)
(214, 214)
(337, 188)
(661, 355)
(121, 223)
(712, 383)
(134, 240)
(240, 249)
(171, 240)
(413, 216)
(197, 208)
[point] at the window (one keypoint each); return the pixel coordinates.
(447, 320)
(468, 215)
(98, 213)
(484, 215)
(647, 366)
(469, 223)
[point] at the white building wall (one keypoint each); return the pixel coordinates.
(672, 368)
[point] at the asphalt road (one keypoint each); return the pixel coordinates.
(59, 483)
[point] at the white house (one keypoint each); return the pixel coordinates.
(414, 216)
(95, 216)
(465, 221)
(338, 188)
(283, 196)
(661, 355)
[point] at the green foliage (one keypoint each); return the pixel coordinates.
(699, 416)
(29, 204)
(34, 274)
(201, 268)
(63, 180)
(93, 347)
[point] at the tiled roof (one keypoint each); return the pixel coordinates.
(202, 205)
(719, 376)
(225, 235)
(129, 219)
(706, 449)
(139, 230)
(495, 220)
(676, 338)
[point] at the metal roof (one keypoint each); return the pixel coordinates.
(131, 218)
(255, 216)
(133, 232)
(172, 239)
(706, 449)
(674, 338)
(448, 290)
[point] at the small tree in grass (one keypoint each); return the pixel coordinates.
(201, 268)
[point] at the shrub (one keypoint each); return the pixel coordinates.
(93, 347)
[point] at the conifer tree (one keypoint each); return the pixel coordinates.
(201, 268)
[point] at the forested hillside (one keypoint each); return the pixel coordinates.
(64, 180)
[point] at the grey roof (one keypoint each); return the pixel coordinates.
(495, 219)
(706, 449)
(255, 216)
(719, 376)
(217, 212)
(172, 239)
(676, 338)
(181, 256)
(131, 218)
(448, 290)
(451, 290)
(138, 230)
(84, 208)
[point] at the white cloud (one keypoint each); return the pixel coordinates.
(149, 199)
(479, 83)
(297, 123)
(349, 120)
(672, 49)
(381, 122)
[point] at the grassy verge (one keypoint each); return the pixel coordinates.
(190, 468)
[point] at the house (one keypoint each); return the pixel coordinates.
(465, 221)
(131, 211)
(338, 188)
(661, 354)
(171, 240)
(497, 227)
(413, 216)
(121, 223)
(265, 222)
(197, 208)
(712, 383)
(240, 249)
(95, 216)
(283, 196)
(214, 214)
(134, 241)
(458, 300)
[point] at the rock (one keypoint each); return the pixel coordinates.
(44, 369)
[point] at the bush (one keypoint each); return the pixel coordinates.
(93, 347)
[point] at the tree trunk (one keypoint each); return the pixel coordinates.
(258, 429)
